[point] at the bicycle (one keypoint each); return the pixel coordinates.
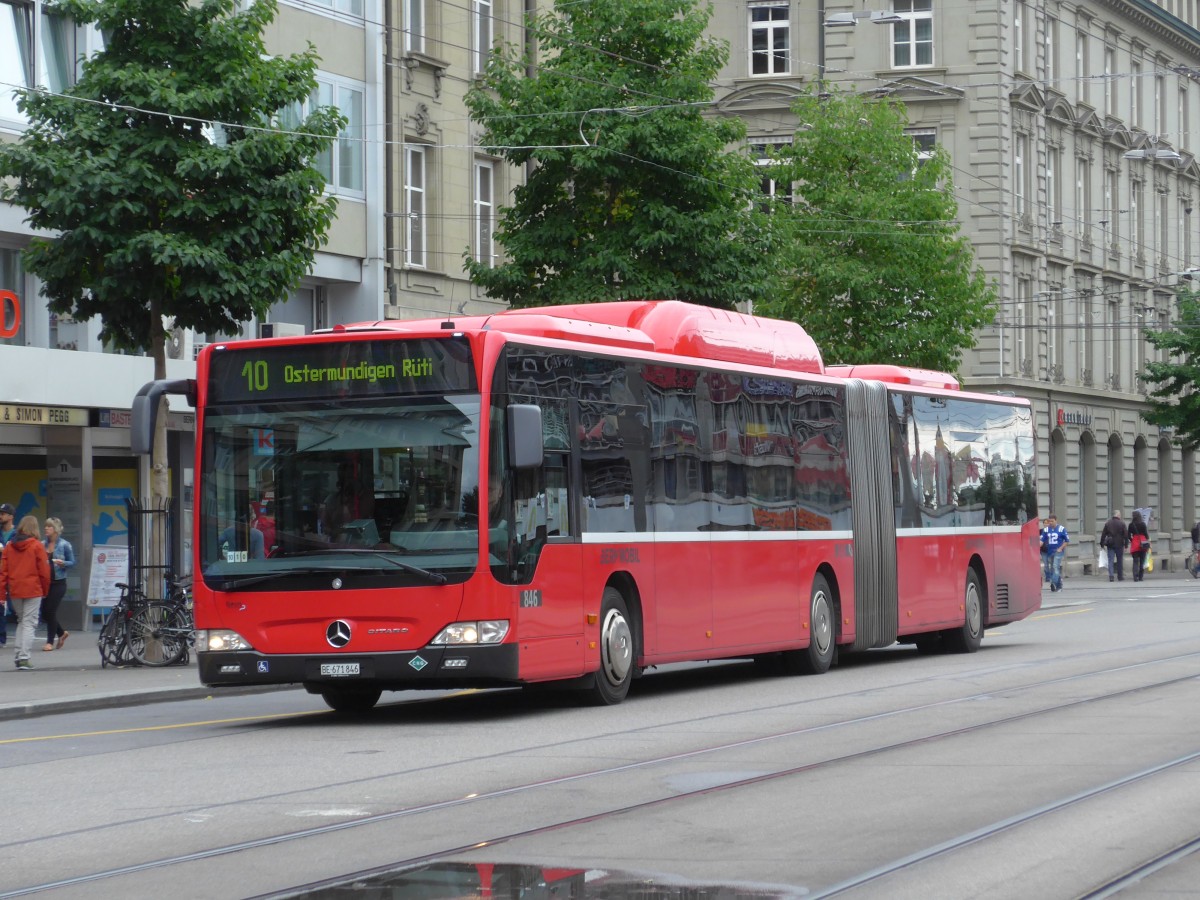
(140, 631)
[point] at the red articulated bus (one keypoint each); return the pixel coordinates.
(577, 493)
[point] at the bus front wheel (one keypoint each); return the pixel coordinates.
(968, 637)
(350, 700)
(617, 652)
(818, 656)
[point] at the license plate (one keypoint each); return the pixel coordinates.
(339, 669)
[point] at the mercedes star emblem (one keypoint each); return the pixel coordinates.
(338, 633)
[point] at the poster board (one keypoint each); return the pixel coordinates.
(110, 565)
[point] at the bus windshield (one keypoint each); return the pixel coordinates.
(378, 493)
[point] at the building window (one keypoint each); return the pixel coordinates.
(1020, 17)
(912, 39)
(414, 26)
(481, 14)
(1052, 51)
(1021, 174)
(1083, 73)
(1026, 321)
(485, 213)
(924, 142)
(343, 163)
(1083, 195)
(1182, 115)
(1112, 215)
(1085, 319)
(414, 207)
(1110, 90)
(1161, 227)
(765, 157)
(352, 7)
(1054, 185)
(1137, 226)
(1183, 221)
(1135, 94)
(1160, 98)
(59, 45)
(51, 63)
(770, 39)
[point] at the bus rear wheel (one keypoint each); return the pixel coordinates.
(617, 652)
(818, 656)
(968, 637)
(350, 700)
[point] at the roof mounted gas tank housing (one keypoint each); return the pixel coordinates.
(672, 326)
(926, 378)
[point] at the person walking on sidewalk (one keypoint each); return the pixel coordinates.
(1114, 538)
(1056, 543)
(1046, 559)
(7, 530)
(1194, 568)
(62, 558)
(25, 579)
(1139, 545)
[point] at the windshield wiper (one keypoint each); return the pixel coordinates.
(237, 584)
(386, 555)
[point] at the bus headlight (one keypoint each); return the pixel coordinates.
(221, 639)
(486, 631)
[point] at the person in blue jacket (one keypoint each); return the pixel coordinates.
(1056, 546)
(62, 558)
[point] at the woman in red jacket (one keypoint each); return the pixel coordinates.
(25, 580)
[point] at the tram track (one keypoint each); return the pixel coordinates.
(532, 787)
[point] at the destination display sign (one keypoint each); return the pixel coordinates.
(329, 370)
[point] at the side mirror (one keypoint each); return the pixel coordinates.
(145, 410)
(525, 448)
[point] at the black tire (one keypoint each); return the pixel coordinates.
(929, 644)
(113, 641)
(350, 700)
(967, 637)
(158, 635)
(618, 652)
(818, 656)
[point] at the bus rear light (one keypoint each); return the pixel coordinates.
(220, 639)
(487, 631)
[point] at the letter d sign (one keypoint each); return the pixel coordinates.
(9, 305)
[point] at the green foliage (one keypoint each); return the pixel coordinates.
(631, 190)
(153, 212)
(879, 272)
(1175, 401)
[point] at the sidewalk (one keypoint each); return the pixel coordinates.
(72, 679)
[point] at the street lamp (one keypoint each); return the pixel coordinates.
(1153, 153)
(850, 19)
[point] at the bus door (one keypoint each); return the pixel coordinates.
(533, 549)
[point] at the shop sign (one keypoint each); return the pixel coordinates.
(10, 314)
(116, 418)
(1074, 418)
(19, 414)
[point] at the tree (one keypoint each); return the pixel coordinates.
(879, 273)
(630, 190)
(1175, 401)
(160, 180)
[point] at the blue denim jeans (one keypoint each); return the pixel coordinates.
(1116, 562)
(1056, 561)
